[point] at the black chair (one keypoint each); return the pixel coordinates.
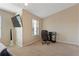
(45, 37)
(52, 36)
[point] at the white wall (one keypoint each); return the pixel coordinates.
(0, 27)
(66, 24)
(19, 36)
(27, 28)
(6, 26)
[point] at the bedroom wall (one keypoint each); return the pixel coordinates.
(27, 28)
(6, 25)
(0, 26)
(65, 23)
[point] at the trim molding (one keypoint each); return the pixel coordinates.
(73, 43)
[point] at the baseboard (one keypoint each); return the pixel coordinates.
(31, 42)
(73, 43)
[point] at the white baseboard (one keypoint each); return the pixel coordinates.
(31, 42)
(73, 43)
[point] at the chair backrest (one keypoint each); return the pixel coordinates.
(44, 35)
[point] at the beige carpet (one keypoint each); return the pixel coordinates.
(54, 49)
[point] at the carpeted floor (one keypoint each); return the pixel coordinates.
(53, 49)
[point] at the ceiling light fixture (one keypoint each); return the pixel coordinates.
(26, 4)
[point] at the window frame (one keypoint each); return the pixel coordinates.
(37, 27)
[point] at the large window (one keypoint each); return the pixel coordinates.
(35, 27)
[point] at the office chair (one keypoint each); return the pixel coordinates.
(45, 37)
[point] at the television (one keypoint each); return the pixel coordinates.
(16, 20)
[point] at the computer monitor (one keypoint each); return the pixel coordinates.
(16, 20)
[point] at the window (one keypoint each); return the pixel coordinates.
(35, 27)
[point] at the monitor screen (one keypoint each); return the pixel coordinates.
(16, 20)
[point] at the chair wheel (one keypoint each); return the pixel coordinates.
(43, 42)
(48, 42)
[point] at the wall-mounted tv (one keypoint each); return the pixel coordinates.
(16, 20)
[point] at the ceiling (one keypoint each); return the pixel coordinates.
(45, 9)
(40, 9)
